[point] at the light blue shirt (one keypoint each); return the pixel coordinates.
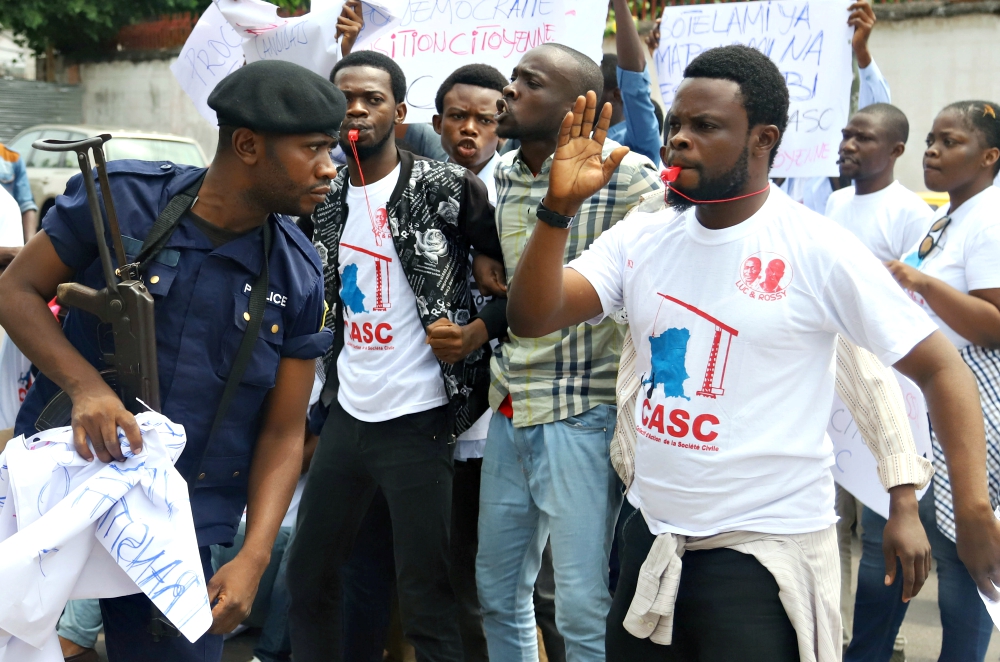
(639, 131)
(14, 179)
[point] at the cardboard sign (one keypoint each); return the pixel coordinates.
(810, 42)
(432, 39)
(212, 51)
(232, 32)
(855, 468)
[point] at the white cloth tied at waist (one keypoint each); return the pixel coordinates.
(54, 507)
(806, 567)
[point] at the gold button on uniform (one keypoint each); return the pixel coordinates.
(235, 474)
(274, 329)
(201, 476)
(154, 280)
(246, 316)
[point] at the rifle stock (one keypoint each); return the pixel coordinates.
(124, 304)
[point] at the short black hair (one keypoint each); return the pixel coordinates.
(983, 117)
(480, 75)
(588, 74)
(893, 118)
(609, 70)
(379, 61)
(762, 87)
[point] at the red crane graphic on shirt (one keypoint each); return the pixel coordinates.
(382, 302)
(709, 387)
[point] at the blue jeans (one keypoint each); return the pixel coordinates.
(270, 606)
(879, 609)
(81, 622)
(554, 481)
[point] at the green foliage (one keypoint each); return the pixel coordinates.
(87, 27)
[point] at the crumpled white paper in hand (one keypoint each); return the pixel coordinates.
(54, 507)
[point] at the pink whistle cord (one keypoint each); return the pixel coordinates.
(352, 136)
(669, 175)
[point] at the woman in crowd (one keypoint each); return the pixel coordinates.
(954, 273)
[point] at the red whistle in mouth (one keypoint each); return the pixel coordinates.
(352, 135)
(669, 175)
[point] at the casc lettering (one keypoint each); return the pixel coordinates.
(367, 333)
(653, 418)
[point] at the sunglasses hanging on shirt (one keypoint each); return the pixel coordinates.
(933, 238)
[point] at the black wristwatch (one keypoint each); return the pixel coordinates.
(552, 218)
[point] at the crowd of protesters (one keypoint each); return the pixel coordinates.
(489, 402)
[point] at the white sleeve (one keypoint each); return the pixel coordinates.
(873, 87)
(869, 308)
(982, 259)
(603, 265)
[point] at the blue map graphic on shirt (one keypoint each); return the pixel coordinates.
(350, 293)
(667, 353)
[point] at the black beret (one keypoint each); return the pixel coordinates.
(278, 97)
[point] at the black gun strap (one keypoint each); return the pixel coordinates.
(167, 221)
(258, 301)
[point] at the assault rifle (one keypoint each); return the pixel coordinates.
(124, 302)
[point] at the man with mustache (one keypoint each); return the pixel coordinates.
(888, 219)
(546, 470)
(277, 123)
(407, 372)
(732, 479)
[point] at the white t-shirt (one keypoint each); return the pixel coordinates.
(967, 256)
(386, 369)
(735, 332)
(15, 380)
(11, 229)
(889, 222)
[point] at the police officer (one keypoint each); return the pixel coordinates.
(277, 124)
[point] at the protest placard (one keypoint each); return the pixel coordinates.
(810, 42)
(855, 468)
(232, 32)
(212, 52)
(432, 39)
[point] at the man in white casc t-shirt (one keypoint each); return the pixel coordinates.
(407, 372)
(732, 461)
(887, 217)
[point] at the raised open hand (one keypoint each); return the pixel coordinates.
(578, 171)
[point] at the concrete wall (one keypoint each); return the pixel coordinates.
(142, 95)
(931, 62)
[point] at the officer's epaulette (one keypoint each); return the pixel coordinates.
(147, 168)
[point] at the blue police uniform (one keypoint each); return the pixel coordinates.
(201, 294)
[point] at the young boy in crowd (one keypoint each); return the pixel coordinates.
(466, 104)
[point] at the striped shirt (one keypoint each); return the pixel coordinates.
(573, 370)
(985, 365)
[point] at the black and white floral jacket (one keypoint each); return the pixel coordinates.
(438, 213)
